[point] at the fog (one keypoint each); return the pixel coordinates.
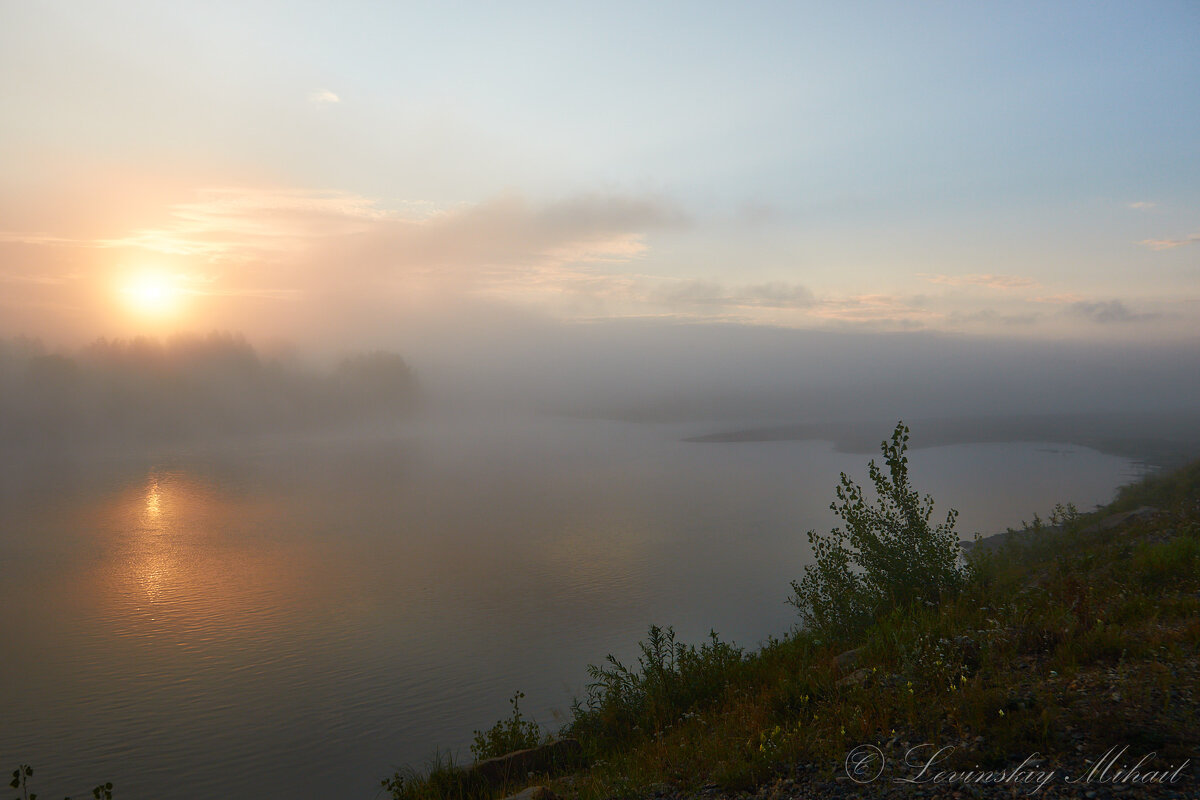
(721, 377)
(1133, 398)
(147, 391)
(659, 370)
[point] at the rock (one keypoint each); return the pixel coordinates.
(854, 678)
(517, 765)
(1116, 520)
(847, 660)
(534, 793)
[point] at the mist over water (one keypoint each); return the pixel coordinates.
(299, 616)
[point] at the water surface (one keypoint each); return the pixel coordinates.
(297, 619)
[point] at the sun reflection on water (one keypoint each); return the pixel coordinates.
(153, 500)
(195, 560)
(154, 563)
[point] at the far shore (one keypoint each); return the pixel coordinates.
(1159, 441)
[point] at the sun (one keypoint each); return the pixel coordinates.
(152, 294)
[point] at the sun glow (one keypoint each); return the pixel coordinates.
(152, 294)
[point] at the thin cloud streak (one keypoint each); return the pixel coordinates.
(698, 293)
(989, 316)
(39, 280)
(875, 309)
(1170, 244)
(987, 281)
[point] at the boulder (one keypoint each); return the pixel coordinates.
(1142, 514)
(855, 678)
(847, 660)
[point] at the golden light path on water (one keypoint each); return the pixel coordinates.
(205, 564)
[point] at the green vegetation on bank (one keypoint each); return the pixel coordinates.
(1064, 644)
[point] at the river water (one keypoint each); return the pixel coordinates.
(299, 618)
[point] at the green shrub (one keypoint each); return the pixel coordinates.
(886, 557)
(507, 735)
(671, 679)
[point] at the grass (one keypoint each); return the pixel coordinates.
(1081, 640)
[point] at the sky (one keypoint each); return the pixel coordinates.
(368, 173)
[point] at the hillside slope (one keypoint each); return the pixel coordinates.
(1069, 667)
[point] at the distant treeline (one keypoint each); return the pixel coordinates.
(147, 390)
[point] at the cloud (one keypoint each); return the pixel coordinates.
(1100, 311)
(989, 316)
(510, 230)
(18, 237)
(41, 280)
(323, 97)
(1112, 311)
(1059, 299)
(585, 292)
(987, 280)
(235, 223)
(775, 294)
(878, 310)
(608, 211)
(342, 258)
(358, 253)
(1141, 204)
(241, 225)
(1170, 244)
(509, 242)
(308, 257)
